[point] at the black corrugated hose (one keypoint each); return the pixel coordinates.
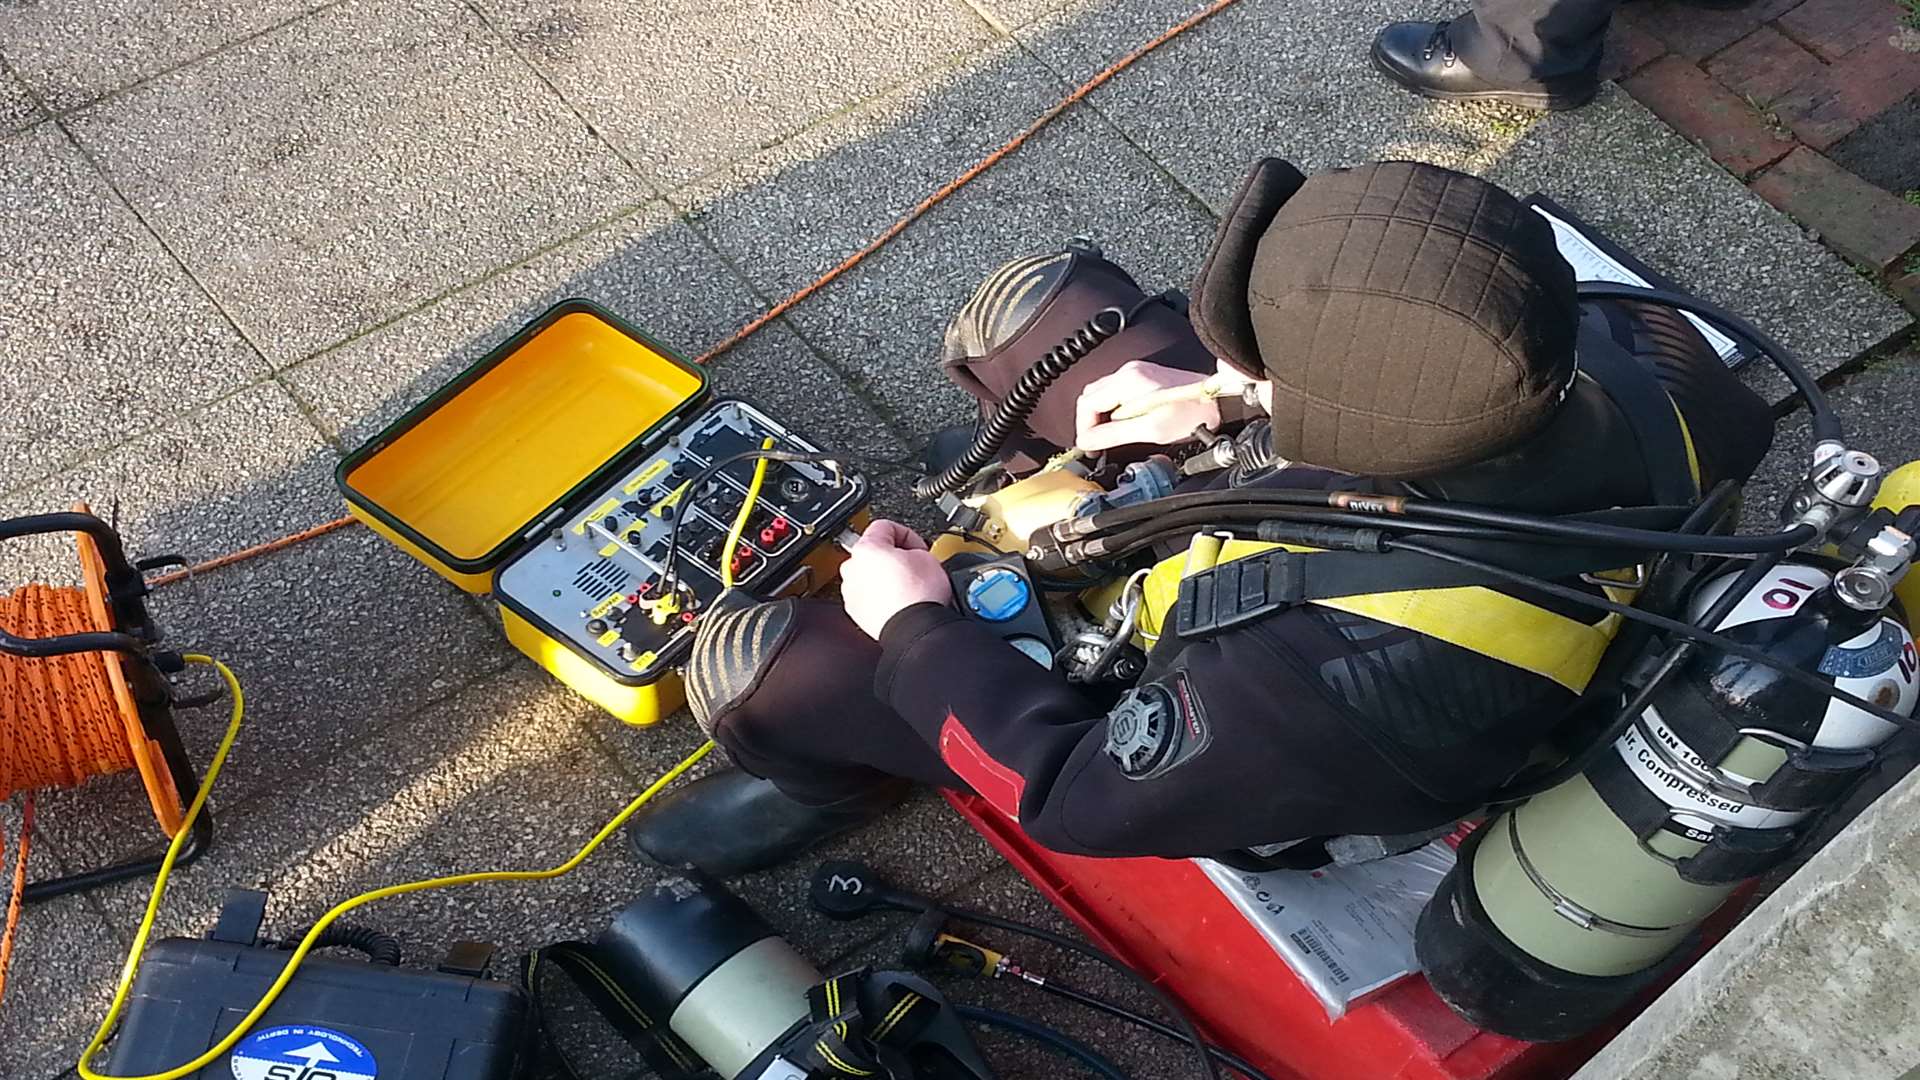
(1021, 401)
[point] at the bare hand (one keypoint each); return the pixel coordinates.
(889, 570)
(1169, 424)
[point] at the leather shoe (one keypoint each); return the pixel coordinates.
(1420, 57)
(732, 823)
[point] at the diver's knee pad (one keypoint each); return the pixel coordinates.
(732, 652)
(783, 667)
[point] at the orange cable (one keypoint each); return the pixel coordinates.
(892, 232)
(16, 900)
(247, 553)
(967, 177)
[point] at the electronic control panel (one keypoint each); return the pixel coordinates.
(597, 581)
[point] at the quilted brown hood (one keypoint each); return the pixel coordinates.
(1411, 318)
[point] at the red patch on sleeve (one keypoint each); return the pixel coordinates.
(992, 780)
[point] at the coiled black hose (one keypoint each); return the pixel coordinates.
(1021, 401)
(378, 947)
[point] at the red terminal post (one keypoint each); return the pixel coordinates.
(686, 617)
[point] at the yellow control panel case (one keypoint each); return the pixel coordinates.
(549, 474)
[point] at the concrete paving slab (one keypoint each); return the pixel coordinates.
(407, 151)
(1876, 410)
(683, 88)
(649, 268)
(242, 470)
(1266, 77)
(335, 640)
(73, 53)
(367, 813)
(1014, 14)
(102, 335)
(17, 107)
(784, 217)
(55, 987)
(1618, 167)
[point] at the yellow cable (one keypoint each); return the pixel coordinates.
(740, 519)
(85, 1069)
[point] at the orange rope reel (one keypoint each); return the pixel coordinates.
(66, 719)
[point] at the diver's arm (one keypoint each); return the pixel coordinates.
(1261, 756)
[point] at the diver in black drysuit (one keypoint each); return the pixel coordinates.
(1419, 332)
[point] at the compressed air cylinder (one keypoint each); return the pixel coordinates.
(727, 984)
(1562, 909)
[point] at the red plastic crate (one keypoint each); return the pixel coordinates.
(1168, 921)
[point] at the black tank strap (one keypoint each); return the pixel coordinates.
(1729, 854)
(1811, 778)
(664, 1054)
(1649, 414)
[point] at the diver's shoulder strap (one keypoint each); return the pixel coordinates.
(1438, 599)
(1673, 471)
(1232, 593)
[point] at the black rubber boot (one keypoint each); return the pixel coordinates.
(733, 823)
(1420, 57)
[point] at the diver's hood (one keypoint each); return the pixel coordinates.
(1030, 305)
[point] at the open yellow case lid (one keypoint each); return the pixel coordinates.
(505, 448)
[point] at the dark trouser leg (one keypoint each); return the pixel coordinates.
(1512, 42)
(809, 721)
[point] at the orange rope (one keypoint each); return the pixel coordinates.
(60, 720)
(19, 891)
(893, 231)
(247, 553)
(965, 178)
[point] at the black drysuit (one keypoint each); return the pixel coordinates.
(1315, 722)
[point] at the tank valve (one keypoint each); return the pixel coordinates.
(1838, 488)
(1868, 584)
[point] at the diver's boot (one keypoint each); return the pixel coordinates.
(733, 823)
(1419, 56)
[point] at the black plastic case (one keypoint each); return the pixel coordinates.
(419, 1025)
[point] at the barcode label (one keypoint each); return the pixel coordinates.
(1307, 941)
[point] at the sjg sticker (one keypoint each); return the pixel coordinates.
(302, 1052)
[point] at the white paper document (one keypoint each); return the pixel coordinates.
(1592, 264)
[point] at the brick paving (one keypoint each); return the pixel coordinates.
(1811, 102)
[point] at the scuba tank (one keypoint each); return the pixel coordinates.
(1564, 908)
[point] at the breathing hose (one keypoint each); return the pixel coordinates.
(1020, 402)
(1826, 425)
(1419, 515)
